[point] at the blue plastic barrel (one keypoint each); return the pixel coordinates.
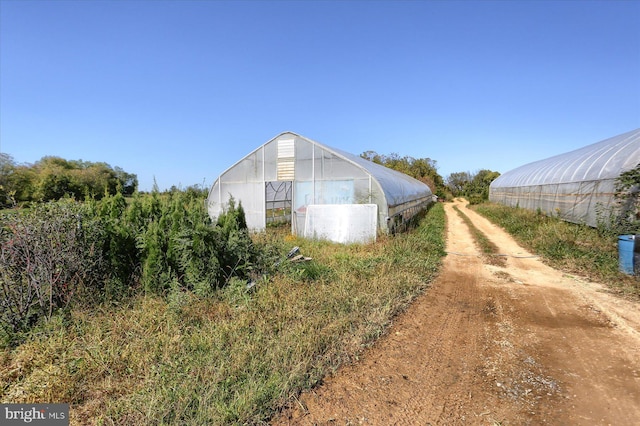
(626, 244)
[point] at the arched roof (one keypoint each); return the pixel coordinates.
(398, 187)
(602, 160)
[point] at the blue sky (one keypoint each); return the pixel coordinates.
(181, 90)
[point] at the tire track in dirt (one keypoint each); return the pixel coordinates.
(486, 345)
(585, 338)
(426, 353)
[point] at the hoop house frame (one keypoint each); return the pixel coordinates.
(576, 186)
(292, 172)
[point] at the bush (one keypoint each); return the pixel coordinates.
(624, 218)
(48, 257)
(106, 250)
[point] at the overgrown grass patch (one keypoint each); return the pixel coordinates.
(573, 248)
(236, 356)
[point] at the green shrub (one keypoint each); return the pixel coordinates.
(106, 250)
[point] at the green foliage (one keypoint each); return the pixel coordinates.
(457, 182)
(233, 358)
(422, 169)
(623, 217)
(179, 245)
(7, 166)
(22, 185)
(626, 219)
(54, 178)
(628, 182)
(475, 187)
(62, 252)
(237, 253)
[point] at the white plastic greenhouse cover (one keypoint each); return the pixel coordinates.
(576, 185)
(300, 171)
(398, 188)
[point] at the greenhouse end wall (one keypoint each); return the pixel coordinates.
(313, 174)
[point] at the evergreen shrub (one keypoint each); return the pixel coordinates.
(67, 252)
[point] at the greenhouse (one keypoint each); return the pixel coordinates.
(323, 192)
(578, 186)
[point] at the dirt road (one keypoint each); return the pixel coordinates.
(517, 345)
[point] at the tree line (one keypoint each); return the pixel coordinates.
(53, 178)
(473, 186)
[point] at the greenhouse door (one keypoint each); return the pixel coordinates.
(278, 197)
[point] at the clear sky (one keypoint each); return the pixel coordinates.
(181, 90)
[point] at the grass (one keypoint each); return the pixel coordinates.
(574, 248)
(235, 358)
(488, 248)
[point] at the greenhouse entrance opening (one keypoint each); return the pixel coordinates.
(278, 196)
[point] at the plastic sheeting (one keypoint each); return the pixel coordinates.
(342, 223)
(578, 186)
(318, 175)
(398, 187)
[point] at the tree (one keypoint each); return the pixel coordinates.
(479, 185)
(422, 169)
(22, 183)
(7, 167)
(97, 180)
(473, 186)
(457, 182)
(53, 178)
(372, 156)
(426, 170)
(128, 181)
